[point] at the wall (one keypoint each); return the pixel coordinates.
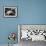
(7, 25)
(29, 12)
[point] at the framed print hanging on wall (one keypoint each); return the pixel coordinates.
(10, 11)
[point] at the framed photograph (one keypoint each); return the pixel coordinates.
(10, 11)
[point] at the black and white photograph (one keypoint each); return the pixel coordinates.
(10, 11)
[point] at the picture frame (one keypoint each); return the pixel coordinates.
(10, 11)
